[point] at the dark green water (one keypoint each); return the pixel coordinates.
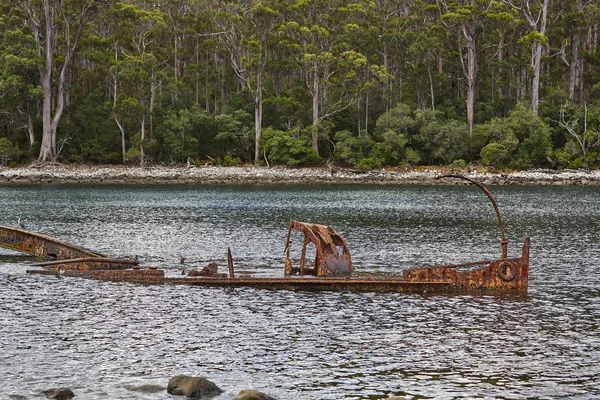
(109, 340)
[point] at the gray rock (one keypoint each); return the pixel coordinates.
(250, 394)
(63, 393)
(146, 388)
(193, 387)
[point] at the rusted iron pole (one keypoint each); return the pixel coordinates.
(230, 263)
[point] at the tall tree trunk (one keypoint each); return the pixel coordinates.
(535, 83)
(575, 69)
(576, 66)
(315, 111)
(500, 69)
(470, 72)
(258, 113)
(431, 91)
(537, 51)
(123, 145)
(47, 150)
(30, 129)
(143, 137)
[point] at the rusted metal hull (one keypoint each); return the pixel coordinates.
(39, 245)
(332, 268)
(494, 277)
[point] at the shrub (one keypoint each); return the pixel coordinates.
(290, 148)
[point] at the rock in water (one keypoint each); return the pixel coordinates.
(250, 394)
(63, 393)
(193, 387)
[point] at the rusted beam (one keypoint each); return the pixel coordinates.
(88, 263)
(39, 245)
(148, 275)
(502, 275)
(43, 272)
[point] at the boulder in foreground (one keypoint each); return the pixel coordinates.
(250, 394)
(193, 387)
(63, 393)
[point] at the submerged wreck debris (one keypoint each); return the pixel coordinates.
(332, 253)
(40, 245)
(332, 268)
(65, 257)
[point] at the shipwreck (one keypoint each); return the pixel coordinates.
(331, 269)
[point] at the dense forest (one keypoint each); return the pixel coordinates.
(364, 84)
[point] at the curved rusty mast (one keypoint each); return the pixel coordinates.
(504, 241)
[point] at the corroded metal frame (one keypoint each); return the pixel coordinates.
(332, 256)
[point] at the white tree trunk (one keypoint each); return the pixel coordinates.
(143, 137)
(47, 150)
(576, 66)
(315, 109)
(535, 83)
(258, 114)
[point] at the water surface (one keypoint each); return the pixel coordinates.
(124, 341)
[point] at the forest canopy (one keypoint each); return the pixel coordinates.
(364, 84)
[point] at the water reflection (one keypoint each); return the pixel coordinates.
(108, 340)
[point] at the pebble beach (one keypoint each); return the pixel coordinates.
(86, 174)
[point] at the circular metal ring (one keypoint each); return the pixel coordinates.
(507, 271)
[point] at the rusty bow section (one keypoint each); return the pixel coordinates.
(503, 275)
(332, 256)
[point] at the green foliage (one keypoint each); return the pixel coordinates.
(534, 138)
(372, 84)
(6, 148)
(291, 148)
(234, 133)
(444, 142)
(368, 163)
(460, 163)
(495, 154)
(228, 161)
(519, 141)
(351, 149)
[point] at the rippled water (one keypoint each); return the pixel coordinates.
(124, 341)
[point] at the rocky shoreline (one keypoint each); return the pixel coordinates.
(85, 174)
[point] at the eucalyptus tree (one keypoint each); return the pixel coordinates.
(316, 35)
(57, 27)
(466, 18)
(425, 54)
(136, 66)
(246, 28)
(394, 26)
(535, 13)
(578, 29)
(20, 91)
